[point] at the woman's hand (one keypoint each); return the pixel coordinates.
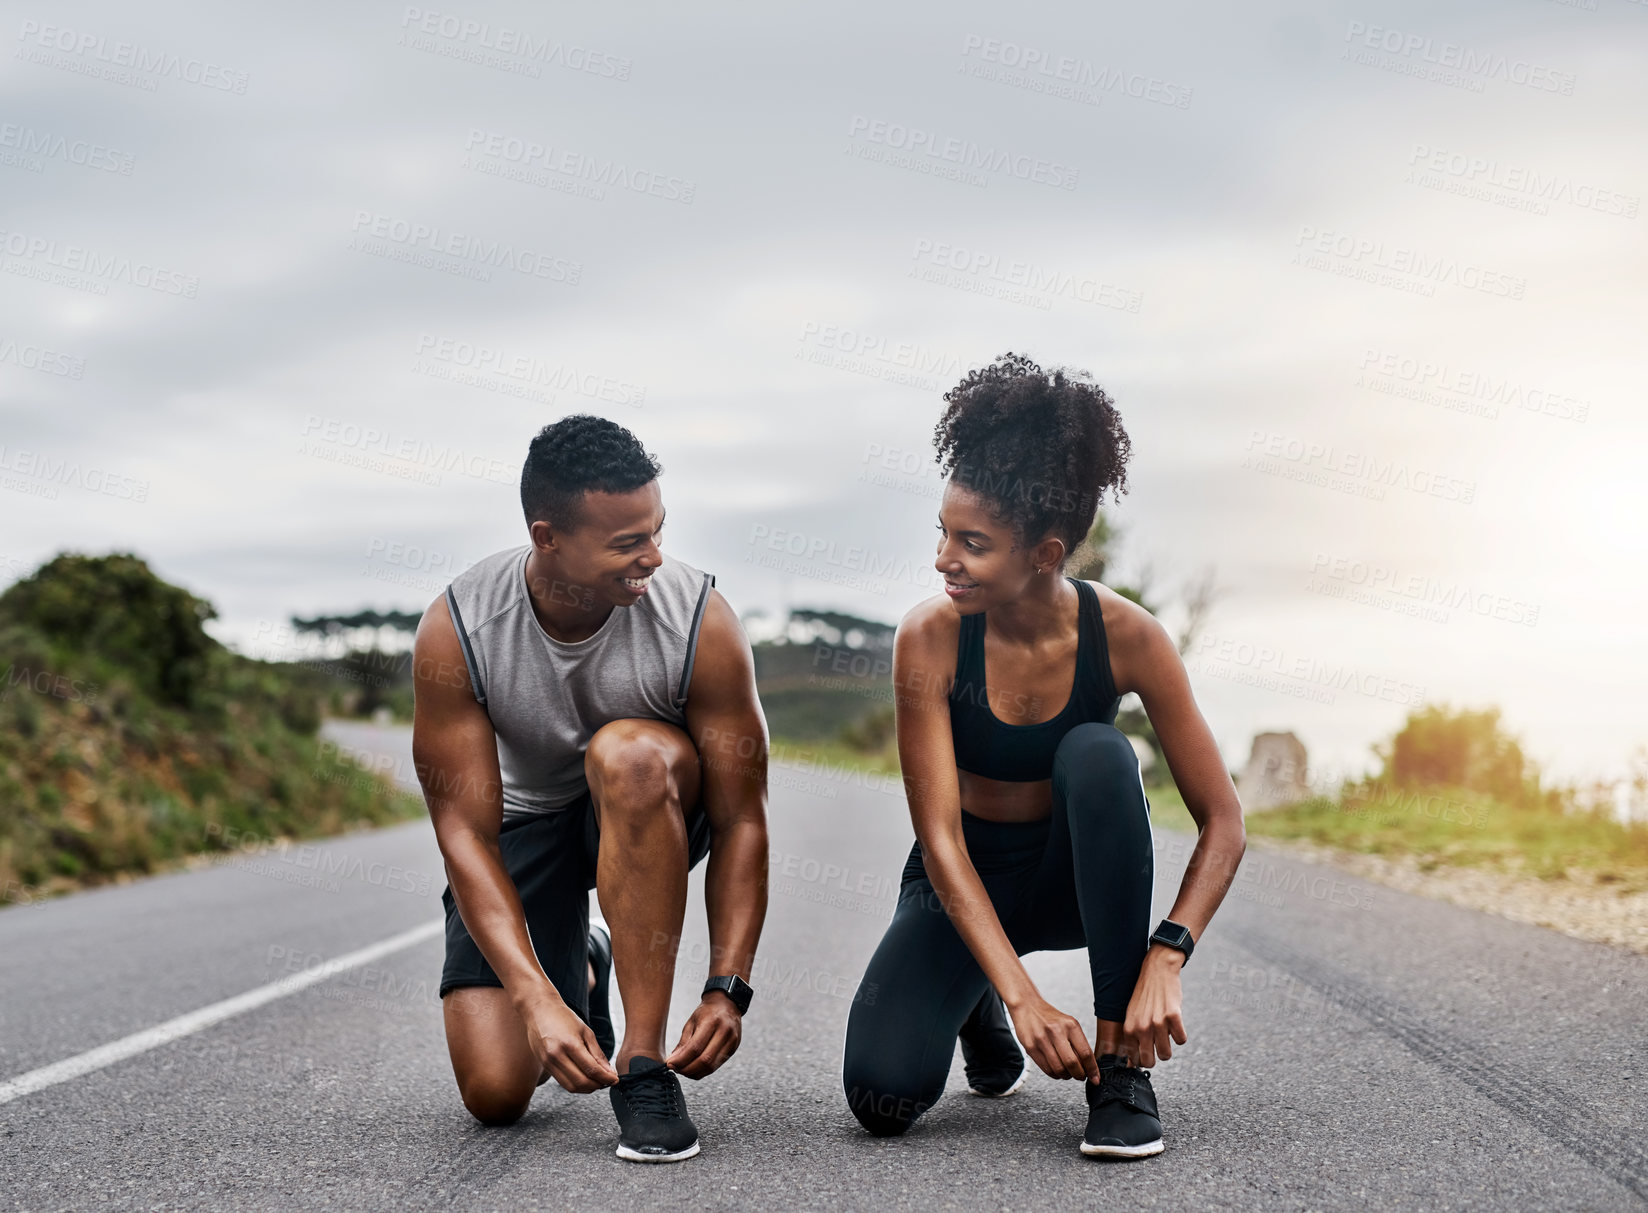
(1154, 1021)
(1054, 1040)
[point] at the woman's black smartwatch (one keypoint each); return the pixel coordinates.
(735, 988)
(1174, 936)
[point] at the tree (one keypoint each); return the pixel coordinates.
(115, 607)
(332, 627)
(1443, 747)
(1089, 561)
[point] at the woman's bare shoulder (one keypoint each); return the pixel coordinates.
(930, 628)
(1132, 634)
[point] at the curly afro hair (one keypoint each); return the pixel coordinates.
(577, 455)
(1042, 447)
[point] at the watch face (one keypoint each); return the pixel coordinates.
(735, 988)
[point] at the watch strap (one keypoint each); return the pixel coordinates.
(735, 988)
(1174, 935)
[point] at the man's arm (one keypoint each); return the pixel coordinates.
(455, 752)
(725, 722)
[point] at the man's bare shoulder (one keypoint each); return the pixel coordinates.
(435, 634)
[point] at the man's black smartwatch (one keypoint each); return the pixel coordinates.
(1174, 936)
(735, 988)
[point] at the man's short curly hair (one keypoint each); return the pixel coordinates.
(1042, 447)
(577, 455)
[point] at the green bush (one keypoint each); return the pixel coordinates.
(116, 608)
(1442, 747)
(129, 738)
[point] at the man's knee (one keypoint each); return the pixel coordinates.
(496, 1101)
(633, 767)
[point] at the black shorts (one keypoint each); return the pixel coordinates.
(550, 859)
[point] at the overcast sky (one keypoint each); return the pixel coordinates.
(288, 293)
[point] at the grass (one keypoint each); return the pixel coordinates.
(98, 786)
(1440, 827)
(828, 755)
(1455, 827)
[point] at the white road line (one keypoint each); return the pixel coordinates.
(194, 1021)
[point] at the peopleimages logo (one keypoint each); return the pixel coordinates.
(478, 36)
(423, 241)
(527, 369)
(1423, 49)
(1384, 370)
(1461, 173)
(47, 145)
(1080, 77)
(528, 160)
(44, 473)
(98, 269)
(1038, 282)
(963, 154)
(1367, 257)
(95, 49)
(38, 358)
(1451, 595)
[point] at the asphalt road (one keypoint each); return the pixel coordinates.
(1350, 1046)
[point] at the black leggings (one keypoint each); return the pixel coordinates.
(1078, 878)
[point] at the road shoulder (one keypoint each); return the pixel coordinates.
(1577, 905)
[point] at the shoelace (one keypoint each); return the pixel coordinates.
(1120, 1082)
(651, 1094)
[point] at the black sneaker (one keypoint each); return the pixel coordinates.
(600, 1010)
(653, 1125)
(990, 1049)
(1122, 1119)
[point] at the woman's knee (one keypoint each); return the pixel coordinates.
(1095, 750)
(884, 1094)
(887, 1108)
(885, 1113)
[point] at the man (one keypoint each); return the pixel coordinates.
(586, 717)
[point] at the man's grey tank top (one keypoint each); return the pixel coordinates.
(547, 697)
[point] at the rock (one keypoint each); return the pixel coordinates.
(1275, 773)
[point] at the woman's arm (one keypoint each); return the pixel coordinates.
(1144, 659)
(923, 669)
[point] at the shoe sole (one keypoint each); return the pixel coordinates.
(630, 1155)
(1144, 1151)
(598, 925)
(1024, 1077)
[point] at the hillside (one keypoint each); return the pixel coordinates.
(130, 738)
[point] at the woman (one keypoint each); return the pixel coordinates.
(1032, 825)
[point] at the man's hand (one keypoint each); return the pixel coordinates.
(566, 1047)
(710, 1036)
(1153, 1021)
(1054, 1040)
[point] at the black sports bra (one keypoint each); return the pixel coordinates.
(1022, 753)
